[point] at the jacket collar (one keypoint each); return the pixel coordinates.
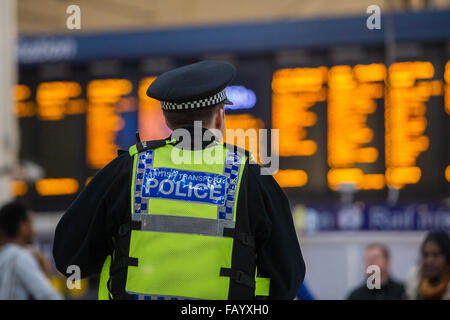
(198, 138)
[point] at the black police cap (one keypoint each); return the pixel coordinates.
(194, 86)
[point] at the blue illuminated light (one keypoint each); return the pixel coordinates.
(241, 97)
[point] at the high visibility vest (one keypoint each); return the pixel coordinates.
(188, 234)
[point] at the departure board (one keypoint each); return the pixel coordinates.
(340, 120)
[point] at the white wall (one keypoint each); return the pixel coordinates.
(335, 263)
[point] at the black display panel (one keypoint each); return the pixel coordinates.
(344, 119)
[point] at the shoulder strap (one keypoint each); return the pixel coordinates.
(149, 145)
(237, 149)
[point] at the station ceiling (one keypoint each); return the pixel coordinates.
(49, 16)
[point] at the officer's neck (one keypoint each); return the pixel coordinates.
(195, 137)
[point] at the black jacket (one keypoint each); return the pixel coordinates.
(391, 290)
(84, 234)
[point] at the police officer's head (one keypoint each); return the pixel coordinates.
(195, 92)
(211, 117)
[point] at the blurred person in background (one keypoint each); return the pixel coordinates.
(430, 280)
(378, 254)
(22, 270)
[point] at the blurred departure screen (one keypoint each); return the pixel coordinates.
(356, 122)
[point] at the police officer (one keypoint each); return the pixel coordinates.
(157, 223)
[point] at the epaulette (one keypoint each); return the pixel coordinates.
(148, 145)
(237, 149)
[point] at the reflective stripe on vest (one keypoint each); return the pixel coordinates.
(139, 296)
(175, 224)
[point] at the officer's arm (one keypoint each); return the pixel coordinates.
(83, 236)
(279, 255)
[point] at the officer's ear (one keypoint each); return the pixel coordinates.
(219, 117)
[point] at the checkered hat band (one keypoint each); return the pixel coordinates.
(210, 101)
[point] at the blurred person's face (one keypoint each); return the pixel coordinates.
(26, 229)
(375, 256)
(433, 260)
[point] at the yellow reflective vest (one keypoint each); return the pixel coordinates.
(188, 235)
